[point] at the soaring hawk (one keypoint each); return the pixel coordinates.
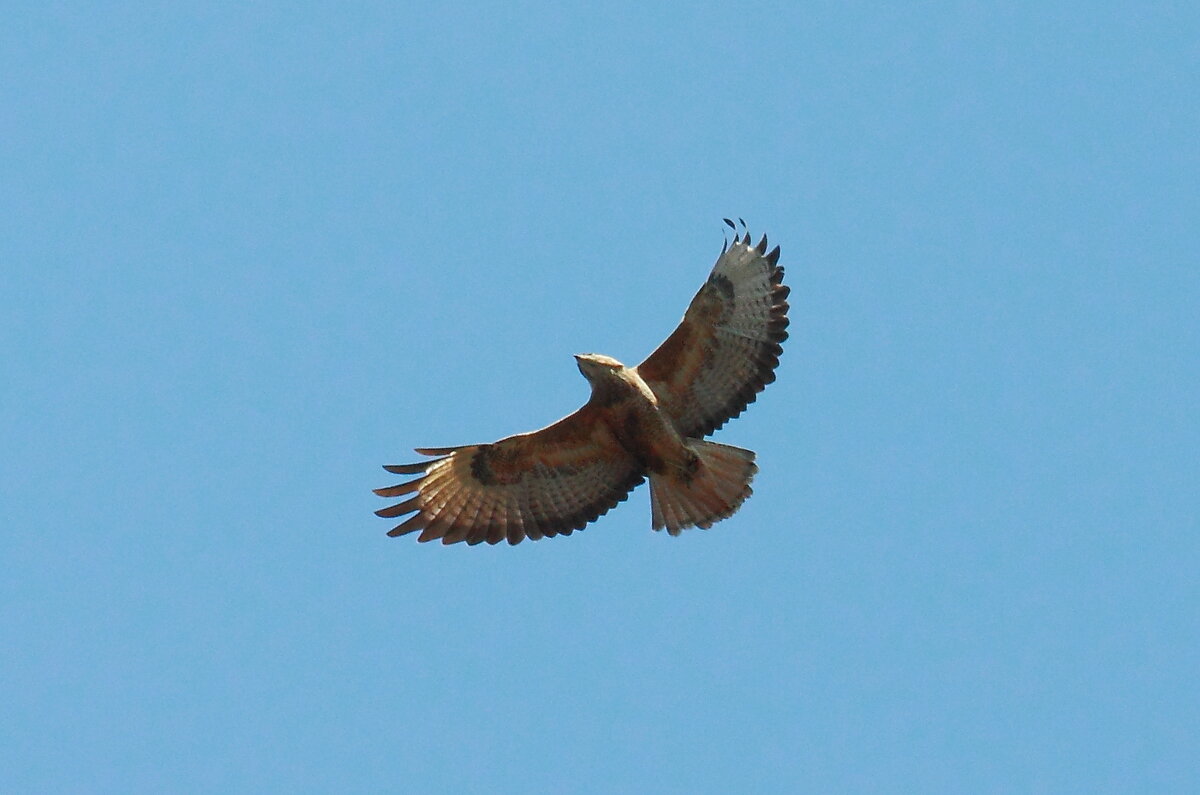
(644, 421)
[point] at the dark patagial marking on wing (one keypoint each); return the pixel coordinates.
(714, 303)
(481, 469)
(722, 284)
(491, 466)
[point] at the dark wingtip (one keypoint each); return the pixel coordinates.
(400, 489)
(731, 226)
(406, 469)
(744, 238)
(773, 257)
(762, 245)
(400, 508)
(411, 524)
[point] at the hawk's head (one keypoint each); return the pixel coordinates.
(597, 367)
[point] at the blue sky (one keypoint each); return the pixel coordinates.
(253, 251)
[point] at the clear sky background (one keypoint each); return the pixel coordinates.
(251, 252)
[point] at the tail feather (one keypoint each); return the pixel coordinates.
(712, 491)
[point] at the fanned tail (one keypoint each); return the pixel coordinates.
(712, 491)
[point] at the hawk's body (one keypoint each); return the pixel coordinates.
(639, 422)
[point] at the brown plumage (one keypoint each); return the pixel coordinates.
(639, 422)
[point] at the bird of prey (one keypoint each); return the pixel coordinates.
(645, 421)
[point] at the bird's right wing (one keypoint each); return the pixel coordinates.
(537, 484)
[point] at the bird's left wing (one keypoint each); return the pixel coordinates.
(725, 350)
(537, 484)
